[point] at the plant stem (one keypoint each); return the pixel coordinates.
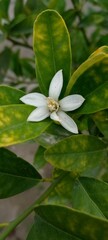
(15, 42)
(20, 218)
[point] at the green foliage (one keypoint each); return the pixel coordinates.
(16, 129)
(75, 205)
(77, 153)
(17, 173)
(66, 221)
(39, 160)
(49, 25)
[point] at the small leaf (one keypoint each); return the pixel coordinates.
(77, 153)
(16, 175)
(79, 226)
(52, 48)
(14, 127)
(9, 95)
(99, 55)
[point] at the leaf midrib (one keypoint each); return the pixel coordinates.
(75, 153)
(59, 229)
(19, 176)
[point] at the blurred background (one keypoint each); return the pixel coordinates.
(87, 22)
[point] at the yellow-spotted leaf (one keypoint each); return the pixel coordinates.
(91, 195)
(14, 127)
(101, 121)
(96, 100)
(52, 48)
(9, 95)
(70, 223)
(42, 230)
(82, 194)
(77, 153)
(99, 55)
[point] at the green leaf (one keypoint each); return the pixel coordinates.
(63, 191)
(79, 46)
(69, 17)
(14, 127)
(91, 79)
(57, 5)
(94, 18)
(45, 231)
(32, 5)
(103, 3)
(79, 226)
(22, 25)
(52, 48)
(39, 160)
(52, 135)
(4, 5)
(16, 175)
(82, 194)
(88, 197)
(99, 55)
(101, 120)
(77, 153)
(5, 58)
(19, 7)
(9, 95)
(95, 101)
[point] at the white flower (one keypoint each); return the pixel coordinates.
(52, 107)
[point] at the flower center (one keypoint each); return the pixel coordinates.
(52, 104)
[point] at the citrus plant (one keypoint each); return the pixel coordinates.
(75, 205)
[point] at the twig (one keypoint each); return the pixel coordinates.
(15, 42)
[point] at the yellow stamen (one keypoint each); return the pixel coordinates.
(52, 104)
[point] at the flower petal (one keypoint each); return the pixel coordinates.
(54, 117)
(71, 102)
(34, 99)
(56, 85)
(38, 114)
(67, 122)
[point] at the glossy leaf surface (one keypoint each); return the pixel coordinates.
(9, 95)
(77, 153)
(73, 222)
(16, 175)
(101, 120)
(91, 195)
(96, 101)
(99, 55)
(14, 127)
(52, 48)
(45, 231)
(83, 194)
